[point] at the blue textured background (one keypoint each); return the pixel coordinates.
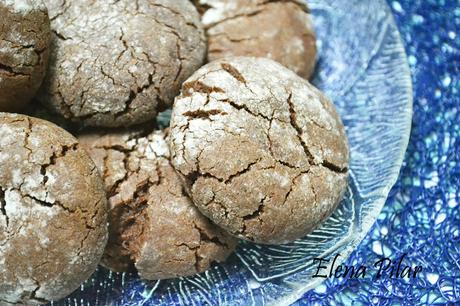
(422, 215)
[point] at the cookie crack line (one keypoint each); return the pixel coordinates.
(237, 75)
(54, 157)
(333, 167)
(206, 238)
(133, 96)
(3, 206)
(199, 87)
(61, 36)
(204, 114)
(254, 215)
(298, 129)
(233, 72)
(245, 170)
(28, 296)
(10, 71)
(198, 259)
(27, 133)
(310, 157)
(45, 203)
(33, 295)
(270, 145)
(177, 14)
(193, 176)
(82, 242)
(245, 108)
(116, 185)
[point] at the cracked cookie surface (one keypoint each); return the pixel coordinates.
(281, 30)
(117, 63)
(53, 212)
(154, 227)
(24, 48)
(264, 153)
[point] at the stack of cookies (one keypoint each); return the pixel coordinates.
(88, 177)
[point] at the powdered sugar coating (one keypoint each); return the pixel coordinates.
(53, 212)
(264, 152)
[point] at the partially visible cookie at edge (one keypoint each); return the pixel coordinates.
(280, 30)
(53, 212)
(24, 50)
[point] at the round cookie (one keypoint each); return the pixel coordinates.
(24, 43)
(53, 212)
(264, 153)
(117, 63)
(153, 224)
(280, 30)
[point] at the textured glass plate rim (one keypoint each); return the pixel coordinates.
(407, 87)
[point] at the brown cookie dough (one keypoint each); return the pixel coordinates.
(153, 224)
(53, 212)
(264, 152)
(24, 41)
(280, 30)
(117, 63)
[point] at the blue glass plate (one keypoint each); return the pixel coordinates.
(363, 68)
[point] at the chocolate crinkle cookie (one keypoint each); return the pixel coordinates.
(53, 212)
(264, 152)
(117, 63)
(24, 48)
(154, 226)
(280, 30)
